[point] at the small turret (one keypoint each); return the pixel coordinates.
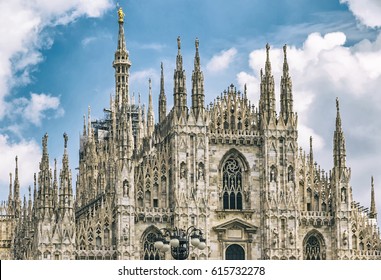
(286, 99)
(10, 197)
(150, 113)
(16, 191)
(373, 209)
(162, 98)
(267, 97)
(66, 192)
(180, 92)
(197, 84)
(311, 155)
(339, 150)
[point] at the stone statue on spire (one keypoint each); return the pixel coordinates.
(121, 15)
(178, 42)
(66, 138)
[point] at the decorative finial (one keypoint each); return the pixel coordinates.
(161, 66)
(337, 104)
(196, 43)
(120, 15)
(66, 138)
(285, 51)
(178, 43)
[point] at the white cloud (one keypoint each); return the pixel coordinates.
(152, 46)
(88, 40)
(366, 11)
(221, 60)
(22, 23)
(252, 84)
(143, 76)
(28, 153)
(36, 108)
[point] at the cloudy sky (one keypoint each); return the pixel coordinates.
(56, 60)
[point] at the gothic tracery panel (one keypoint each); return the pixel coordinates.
(232, 184)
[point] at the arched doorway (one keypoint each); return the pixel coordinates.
(314, 246)
(235, 252)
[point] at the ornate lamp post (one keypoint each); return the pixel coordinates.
(179, 240)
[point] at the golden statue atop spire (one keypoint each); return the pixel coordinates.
(120, 15)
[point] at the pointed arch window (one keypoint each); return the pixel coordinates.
(232, 184)
(149, 250)
(313, 248)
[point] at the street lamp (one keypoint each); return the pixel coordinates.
(179, 240)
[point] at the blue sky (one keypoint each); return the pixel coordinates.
(56, 60)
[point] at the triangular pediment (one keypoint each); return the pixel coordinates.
(236, 223)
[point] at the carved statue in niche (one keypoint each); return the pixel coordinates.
(183, 171)
(200, 172)
(290, 175)
(126, 188)
(343, 196)
(125, 233)
(247, 196)
(275, 236)
(273, 174)
(345, 238)
(291, 237)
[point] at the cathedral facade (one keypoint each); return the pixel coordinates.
(231, 169)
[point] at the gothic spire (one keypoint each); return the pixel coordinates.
(162, 98)
(150, 113)
(10, 197)
(66, 193)
(268, 63)
(45, 180)
(89, 127)
(84, 125)
(267, 96)
(16, 190)
(179, 94)
(286, 99)
(197, 84)
(285, 64)
(373, 209)
(311, 153)
(55, 185)
(339, 150)
(121, 63)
